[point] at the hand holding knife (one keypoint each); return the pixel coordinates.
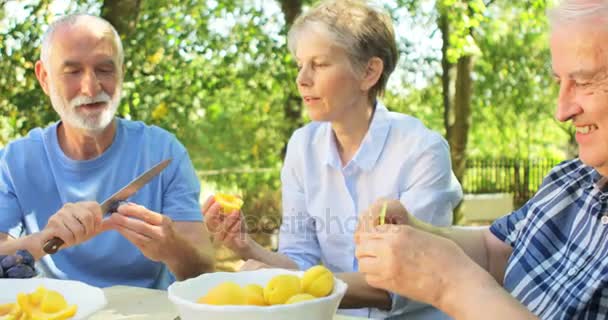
(111, 204)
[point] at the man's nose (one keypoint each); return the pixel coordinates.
(90, 85)
(567, 107)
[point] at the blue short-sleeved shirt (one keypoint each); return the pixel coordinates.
(559, 265)
(37, 179)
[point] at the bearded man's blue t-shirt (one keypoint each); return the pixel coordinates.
(37, 179)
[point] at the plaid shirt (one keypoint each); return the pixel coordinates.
(559, 264)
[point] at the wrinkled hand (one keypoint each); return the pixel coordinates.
(252, 264)
(75, 223)
(228, 230)
(412, 263)
(370, 218)
(153, 233)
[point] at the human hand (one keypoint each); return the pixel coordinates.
(370, 218)
(252, 264)
(153, 233)
(414, 263)
(75, 223)
(228, 230)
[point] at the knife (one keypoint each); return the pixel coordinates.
(110, 205)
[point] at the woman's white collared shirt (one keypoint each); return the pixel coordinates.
(399, 158)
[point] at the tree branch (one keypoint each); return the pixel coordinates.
(489, 3)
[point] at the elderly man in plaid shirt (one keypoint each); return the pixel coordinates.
(547, 260)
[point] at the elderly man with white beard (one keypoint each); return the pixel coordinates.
(52, 180)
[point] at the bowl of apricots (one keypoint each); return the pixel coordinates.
(48, 299)
(265, 294)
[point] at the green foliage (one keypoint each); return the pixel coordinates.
(22, 103)
(513, 92)
(463, 16)
(215, 84)
(514, 97)
(208, 72)
(218, 75)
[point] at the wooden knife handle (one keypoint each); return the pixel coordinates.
(52, 246)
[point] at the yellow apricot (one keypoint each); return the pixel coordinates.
(280, 288)
(52, 302)
(228, 202)
(255, 295)
(300, 297)
(318, 281)
(6, 308)
(36, 296)
(226, 293)
(63, 314)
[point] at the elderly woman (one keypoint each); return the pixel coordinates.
(353, 152)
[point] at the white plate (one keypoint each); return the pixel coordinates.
(89, 299)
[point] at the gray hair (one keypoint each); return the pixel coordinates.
(362, 30)
(73, 19)
(578, 11)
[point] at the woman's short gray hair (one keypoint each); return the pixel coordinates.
(362, 30)
(578, 11)
(47, 43)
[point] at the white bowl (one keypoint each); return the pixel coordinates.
(88, 299)
(185, 293)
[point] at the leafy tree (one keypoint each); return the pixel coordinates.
(218, 75)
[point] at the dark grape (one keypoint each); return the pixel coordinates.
(20, 271)
(11, 261)
(27, 257)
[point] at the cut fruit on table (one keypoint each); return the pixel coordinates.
(228, 202)
(42, 304)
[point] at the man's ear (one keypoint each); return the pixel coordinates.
(43, 76)
(372, 73)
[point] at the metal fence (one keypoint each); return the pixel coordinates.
(521, 177)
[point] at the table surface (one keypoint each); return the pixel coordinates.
(139, 303)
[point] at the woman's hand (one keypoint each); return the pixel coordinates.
(226, 229)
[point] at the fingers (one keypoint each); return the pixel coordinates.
(208, 203)
(137, 219)
(75, 223)
(66, 231)
(371, 265)
(367, 233)
(230, 227)
(396, 213)
(107, 224)
(142, 213)
(236, 230)
(371, 247)
(120, 221)
(370, 217)
(213, 217)
(253, 264)
(136, 238)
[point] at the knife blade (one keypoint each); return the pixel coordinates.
(111, 204)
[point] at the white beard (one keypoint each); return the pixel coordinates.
(90, 121)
